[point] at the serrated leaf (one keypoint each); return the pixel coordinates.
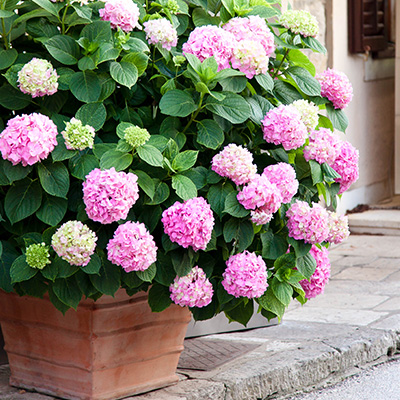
(273, 246)
(54, 178)
(151, 155)
(20, 271)
(117, 159)
(184, 187)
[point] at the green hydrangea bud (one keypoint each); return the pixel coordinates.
(173, 6)
(136, 136)
(37, 255)
(178, 60)
(78, 136)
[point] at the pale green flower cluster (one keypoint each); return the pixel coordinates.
(308, 112)
(136, 136)
(173, 6)
(78, 136)
(37, 255)
(300, 21)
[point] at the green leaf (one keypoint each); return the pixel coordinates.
(124, 73)
(107, 86)
(265, 81)
(56, 301)
(159, 298)
(305, 81)
(217, 196)
(21, 271)
(93, 268)
(239, 230)
(93, 114)
(151, 155)
(177, 103)
(269, 302)
(109, 280)
(235, 84)
(67, 292)
(145, 183)
(98, 32)
(107, 52)
(15, 172)
(185, 160)
(210, 134)
(242, 313)
(131, 279)
(80, 166)
(316, 172)
(65, 270)
(85, 86)
(64, 49)
(285, 92)
(13, 99)
(22, 200)
(86, 63)
(161, 192)
(8, 256)
(201, 17)
(60, 152)
(148, 274)
(258, 108)
(184, 187)
(338, 118)
(54, 178)
(234, 108)
(297, 57)
(233, 207)
(283, 291)
(306, 265)
(324, 122)
(7, 58)
(50, 272)
(116, 159)
(314, 44)
(52, 210)
(273, 246)
(138, 59)
(182, 261)
(6, 14)
(264, 11)
(100, 148)
(48, 6)
(300, 247)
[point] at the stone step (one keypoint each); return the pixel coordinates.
(376, 222)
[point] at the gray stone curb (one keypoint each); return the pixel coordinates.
(290, 357)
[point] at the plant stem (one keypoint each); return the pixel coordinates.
(63, 19)
(5, 36)
(280, 65)
(193, 117)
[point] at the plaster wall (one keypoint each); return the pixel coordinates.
(371, 113)
(397, 103)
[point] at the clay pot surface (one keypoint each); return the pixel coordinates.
(108, 349)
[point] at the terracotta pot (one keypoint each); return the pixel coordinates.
(108, 349)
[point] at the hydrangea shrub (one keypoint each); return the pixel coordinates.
(177, 147)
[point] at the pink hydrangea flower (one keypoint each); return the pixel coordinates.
(189, 223)
(236, 163)
(323, 146)
(122, 14)
(308, 223)
(161, 31)
(28, 139)
(283, 125)
(338, 228)
(210, 41)
(260, 193)
(192, 290)
(260, 217)
(249, 57)
(283, 176)
(336, 87)
(74, 242)
(132, 247)
(109, 195)
(316, 285)
(346, 165)
(245, 275)
(252, 28)
(38, 78)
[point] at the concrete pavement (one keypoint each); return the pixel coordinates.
(355, 324)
